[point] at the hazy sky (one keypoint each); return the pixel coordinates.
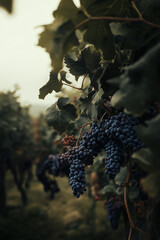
(21, 61)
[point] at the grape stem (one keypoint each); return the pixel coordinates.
(80, 134)
(104, 114)
(130, 233)
(81, 88)
(132, 225)
(123, 19)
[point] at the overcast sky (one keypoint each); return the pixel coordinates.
(21, 61)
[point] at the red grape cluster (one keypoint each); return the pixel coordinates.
(68, 140)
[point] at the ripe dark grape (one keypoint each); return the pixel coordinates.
(59, 164)
(77, 177)
(114, 210)
(122, 140)
(136, 175)
(120, 127)
(49, 184)
(113, 159)
(115, 134)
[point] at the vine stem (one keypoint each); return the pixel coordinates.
(81, 88)
(123, 19)
(125, 197)
(80, 134)
(132, 225)
(130, 233)
(104, 114)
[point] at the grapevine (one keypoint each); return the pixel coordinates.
(110, 123)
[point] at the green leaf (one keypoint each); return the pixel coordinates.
(150, 134)
(121, 176)
(7, 4)
(63, 104)
(102, 39)
(81, 121)
(119, 191)
(151, 184)
(143, 156)
(121, 8)
(68, 10)
(76, 67)
(63, 77)
(52, 84)
(134, 35)
(57, 119)
(98, 95)
(133, 193)
(92, 58)
(139, 85)
(154, 217)
(58, 39)
(89, 59)
(110, 188)
(86, 107)
(148, 6)
(60, 114)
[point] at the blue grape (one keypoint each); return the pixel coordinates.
(113, 159)
(114, 210)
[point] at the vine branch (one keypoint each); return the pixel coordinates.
(80, 134)
(125, 197)
(81, 88)
(123, 19)
(132, 225)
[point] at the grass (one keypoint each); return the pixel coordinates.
(64, 218)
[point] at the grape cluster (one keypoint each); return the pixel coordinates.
(77, 177)
(136, 175)
(68, 140)
(113, 159)
(49, 184)
(55, 164)
(114, 209)
(59, 164)
(93, 141)
(121, 128)
(115, 134)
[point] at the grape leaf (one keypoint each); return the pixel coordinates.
(86, 107)
(151, 183)
(121, 176)
(133, 193)
(92, 58)
(102, 39)
(121, 8)
(110, 188)
(60, 114)
(139, 85)
(150, 134)
(63, 104)
(59, 37)
(52, 84)
(7, 4)
(89, 59)
(144, 156)
(68, 10)
(76, 67)
(63, 77)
